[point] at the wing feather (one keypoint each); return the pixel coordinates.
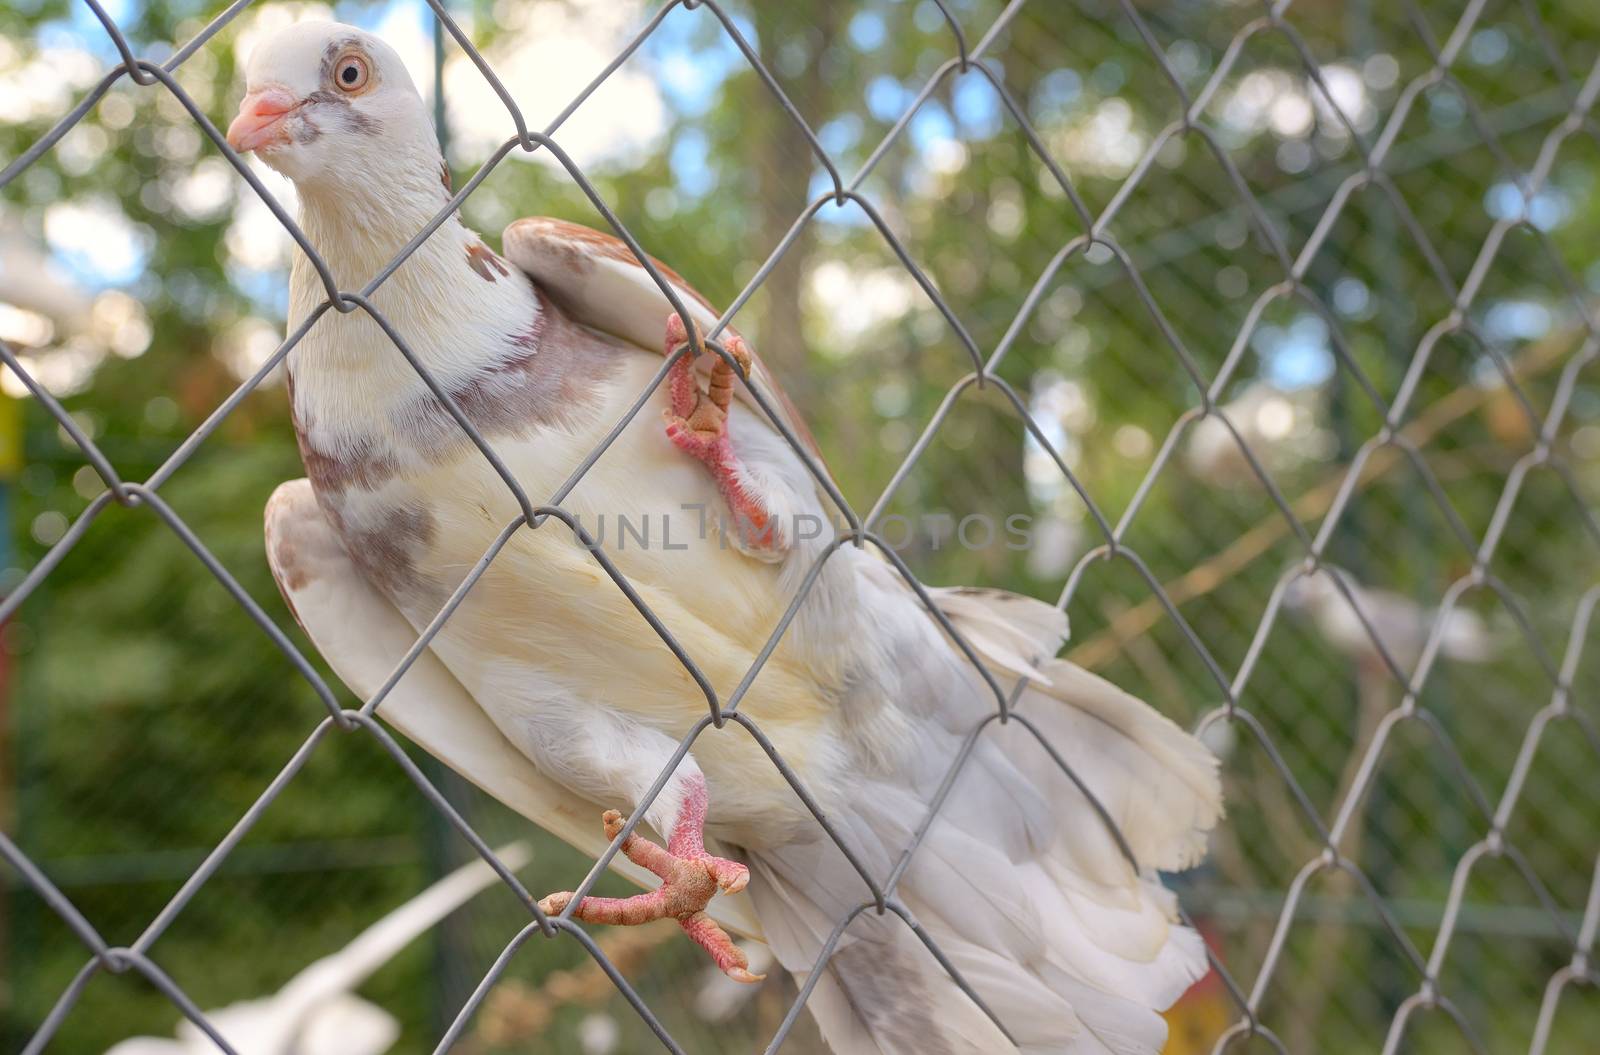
(596, 278)
(363, 637)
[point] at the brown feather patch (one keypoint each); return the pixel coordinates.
(552, 231)
(548, 380)
(482, 260)
(366, 466)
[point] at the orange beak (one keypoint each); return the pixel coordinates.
(260, 120)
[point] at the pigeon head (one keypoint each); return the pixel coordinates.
(330, 105)
(1309, 591)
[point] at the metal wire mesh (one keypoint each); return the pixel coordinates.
(1581, 92)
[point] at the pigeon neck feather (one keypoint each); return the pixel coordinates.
(457, 306)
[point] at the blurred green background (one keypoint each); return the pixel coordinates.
(140, 280)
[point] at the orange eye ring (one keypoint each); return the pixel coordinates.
(351, 72)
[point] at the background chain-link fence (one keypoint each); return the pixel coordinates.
(1323, 299)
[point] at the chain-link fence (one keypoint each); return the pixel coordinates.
(1344, 905)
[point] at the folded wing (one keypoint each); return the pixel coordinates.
(364, 637)
(598, 281)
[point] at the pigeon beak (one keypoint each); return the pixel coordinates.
(260, 120)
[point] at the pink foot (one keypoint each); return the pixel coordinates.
(690, 878)
(697, 424)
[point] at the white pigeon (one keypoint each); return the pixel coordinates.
(1279, 427)
(1401, 624)
(31, 281)
(549, 689)
(317, 1012)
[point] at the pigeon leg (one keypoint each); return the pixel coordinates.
(690, 877)
(697, 424)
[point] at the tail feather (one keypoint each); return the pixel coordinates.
(1007, 629)
(1020, 884)
(1057, 991)
(1159, 783)
(1137, 953)
(882, 992)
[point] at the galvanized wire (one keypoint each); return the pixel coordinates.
(1579, 97)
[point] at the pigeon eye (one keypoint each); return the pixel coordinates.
(351, 73)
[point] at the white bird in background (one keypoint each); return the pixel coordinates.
(30, 281)
(548, 688)
(1279, 427)
(1401, 624)
(317, 1012)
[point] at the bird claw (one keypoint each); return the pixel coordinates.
(555, 904)
(740, 352)
(697, 424)
(707, 410)
(678, 335)
(731, 876)
(689, 881)
(699, 434)
(714, 940)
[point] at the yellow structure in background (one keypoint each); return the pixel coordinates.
(10, 437)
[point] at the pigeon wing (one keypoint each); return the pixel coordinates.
(363, 637)
(599, 281)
